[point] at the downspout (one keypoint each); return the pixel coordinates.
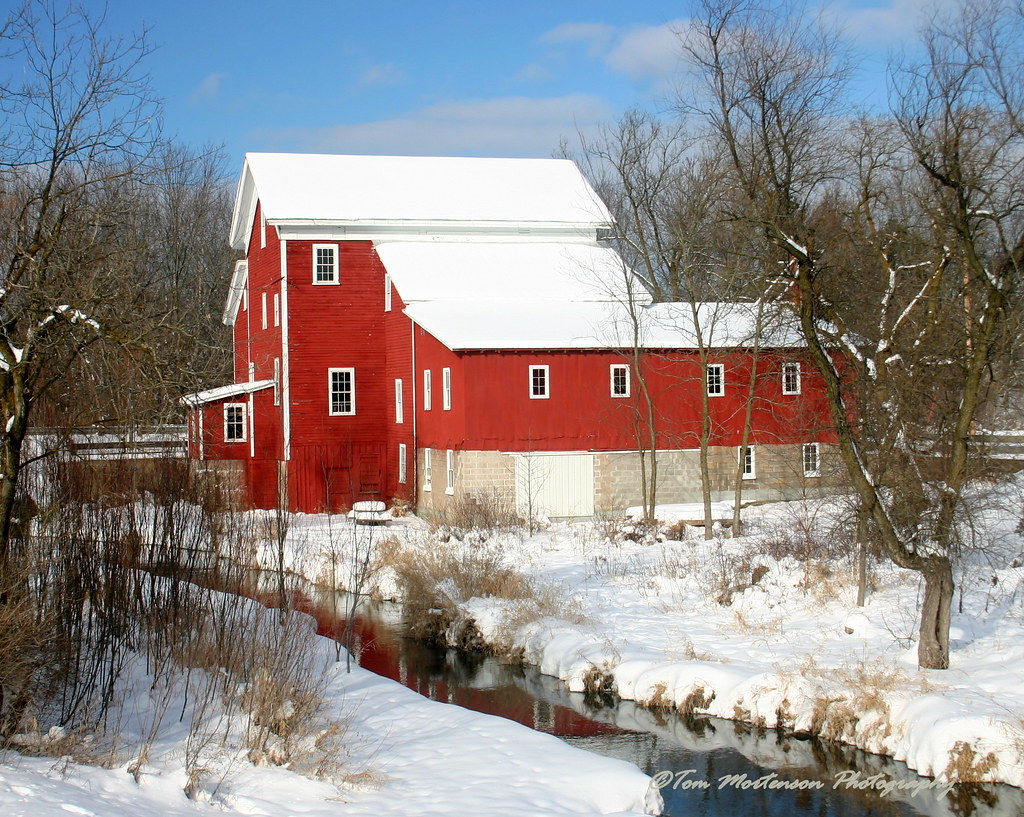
(414, 470)
(285, 386)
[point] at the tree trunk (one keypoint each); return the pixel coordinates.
(933, 646)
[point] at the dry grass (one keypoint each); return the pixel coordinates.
(969, 765)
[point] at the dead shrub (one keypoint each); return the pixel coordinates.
(478, 516)
(599, 689)
(435, 580)
(968, 765)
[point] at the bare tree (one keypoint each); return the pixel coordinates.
(900, 281)
(79, 121)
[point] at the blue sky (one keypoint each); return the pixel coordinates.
(447, 77)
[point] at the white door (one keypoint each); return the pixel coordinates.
(555, 485)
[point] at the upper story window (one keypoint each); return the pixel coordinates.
(234, 422)
(277, 309)
(277, 381)
(325, 263)
(399, 411)
(341, 385)
(446, 389)
(387, 291)
(811, 460)
(539, 386)
(715, 376)
(619, 380)
(428, 396)
(791, 378)
(263, 301)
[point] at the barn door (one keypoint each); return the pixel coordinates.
(555, 485)
(369, 476)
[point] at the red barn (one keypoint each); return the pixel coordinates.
(423, 328)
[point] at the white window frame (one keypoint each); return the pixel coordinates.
(335, 276)
(749, 462)
(263, 301)
(387, 291)
(331, 392)
(449, 470)
(403, 459)
(428, 393)
(805, 457)
(277, 381)
(245, 298)
(428, 471)
(720, 369)
(791, 371)
(616, 368)
(399, 409)
(446, 389)
(547, 382)
(241, 421)
(277, 309)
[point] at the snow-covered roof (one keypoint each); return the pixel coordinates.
(429, 271)
(201, 398)
(326, 190)
(532, 323)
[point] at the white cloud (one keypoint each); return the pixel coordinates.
(507, 126)
(387, 74)
(647, 52)
(597, 36)
(640, 52)
(208, 89)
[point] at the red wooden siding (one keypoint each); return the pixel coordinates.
(337, 459)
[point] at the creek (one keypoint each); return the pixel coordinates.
(706, 767)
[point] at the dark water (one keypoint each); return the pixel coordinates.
(707, 767)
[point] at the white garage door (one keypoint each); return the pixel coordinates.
(555, 485)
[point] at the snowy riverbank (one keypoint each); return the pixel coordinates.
(400, 754)
(685, 625)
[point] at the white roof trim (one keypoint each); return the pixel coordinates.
(239, 280)
(201, 398)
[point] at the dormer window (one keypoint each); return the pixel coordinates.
(325, 263)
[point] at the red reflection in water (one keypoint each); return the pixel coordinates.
(383, 652)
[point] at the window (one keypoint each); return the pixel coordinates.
(428, 472)
(620, 380)
(402, 460)
(263, 299)
(399, 414)
(449, 467)
(277, 309)
(387, 291)
(325, 263)
(446, 389)
(234, 422)
(749, 468)
(277, 381)
(427, 395)
(538, 382)
(245, 298)
(341, 384)
(716, 379)
(791, 378)
(812, 460)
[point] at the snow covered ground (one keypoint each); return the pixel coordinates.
(684, 624)
(400, 754)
